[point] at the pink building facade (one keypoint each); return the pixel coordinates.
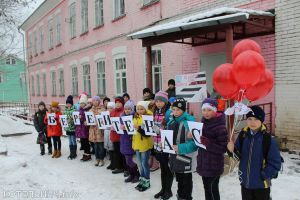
(82, 45)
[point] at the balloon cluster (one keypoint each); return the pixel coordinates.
(247, 77)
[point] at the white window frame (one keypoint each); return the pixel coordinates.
(58, 29)
(53, 82)
(148, 2)
(72, 17)
(101, 79)
(61, 82)
(44, 84)
(74, 71)
(50, 33)
(86, 78)
(41, 39)
(118, 11)
(99, 14)
(1, 77)
(84, 16)
(118, 73)
(32, 86)
(38, 88)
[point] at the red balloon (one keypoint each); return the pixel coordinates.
(247, 69)
(245, 45)
(223, 81)
(262, 88)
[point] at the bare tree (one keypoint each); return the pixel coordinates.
(11, 16)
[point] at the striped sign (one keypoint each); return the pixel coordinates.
(192, 87)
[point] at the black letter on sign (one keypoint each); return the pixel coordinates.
(149, 124)
(197, 140)
(99, 122)
(90, 119)
(168, 144)
(128, 126)
(52, 119)
(106, 120)
(116, 126)
(63, 121)
(75, 118)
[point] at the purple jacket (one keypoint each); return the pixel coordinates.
(126, 141)
(82, 131)
(210, 162)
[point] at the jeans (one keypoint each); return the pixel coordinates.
(56, 142)
(72, 140)
(99, 150)
(211, 187)
(143, 164)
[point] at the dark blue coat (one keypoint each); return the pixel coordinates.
(252, 173)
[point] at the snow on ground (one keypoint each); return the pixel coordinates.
(25, 172)
(12, 125)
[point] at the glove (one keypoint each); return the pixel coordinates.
(204, 140)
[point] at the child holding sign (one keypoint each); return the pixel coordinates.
(70, 130)
(126, 145)
(160, 109)
(182, 165)
(214, 137)
(54, 128)
(107, 142)
(142, 145)
(96, 136)
(82, 130)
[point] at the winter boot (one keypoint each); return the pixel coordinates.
(145, 186)
(54, 153)
(136, 174)
(97, 163)
(70, 157)
(159, 195)
(101, 163)
(117, 171)
(126, 173)
(140, 183)
(168, 187)
(74, 151)
(49, 150)
(42, 147)
(86, 157)
(131, 175)
(58, 154)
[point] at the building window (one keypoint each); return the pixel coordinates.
(30, 45)
(120, 75)
(86, 78)
(156, 70)
(10, 61)
(119, 8)
(98, 13)
(61, 82)
(53, 80)
(35, 42)
(84, 16)
(41, 39)
(38, 89)
(32, 86)
(101, 77)
(72, 16)
(58, 29)
(148, 2)
(74, 80)
(1, 77)
(50, 34)
(44, 84)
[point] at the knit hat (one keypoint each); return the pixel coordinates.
(126, 95)
(106, 99)
(42, 104)
(111, 105)
(54, 104)
(171, 82)
(84, 93)
(162, 96)
(120, 99)
(97, 98)
(172, 99)
(257, 112)
(145, 90)
(69, 100)
(144, 104)
(83, 99)
(180, 103)
(211, 104)
(129, 104)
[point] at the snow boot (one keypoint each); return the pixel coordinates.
(136, 174)
(71, 150)
(101, 163)
(42, 147)
(74, 151)
(54, 153)
(145, 186)
(140, 184)
(86, 157)
(97, 163)
(58, 154)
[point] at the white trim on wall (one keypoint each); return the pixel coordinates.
(70, 2)
(73, 62)
(119, 50)
(98, 56)
(60, 66)
(84, 60)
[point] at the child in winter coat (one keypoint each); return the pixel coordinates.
(126, 146)
(82, 130)
(117, 158)
(142, 145)
(259, 155)
(96, 135)
(108, 145)
(55, 131)
(41, 128)
(160, 109)
(182, 165)
(210, 160)
(70, 130)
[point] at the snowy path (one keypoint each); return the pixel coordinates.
(25, 170)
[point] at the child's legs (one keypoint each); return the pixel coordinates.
(59, 143)
(139, 163)
(145, 164)
(85, 145)
(42, 147)
(211, 187)
(129, 161)
(185, 185)
(117, 157)
(255, 194)
(99, 150)
(73, 140)
(55, 143)
(102, 150)
(70, 140)
(49, 143)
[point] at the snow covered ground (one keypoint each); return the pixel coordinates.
(25, 173)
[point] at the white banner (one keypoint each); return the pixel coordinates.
(90, 118)
(148, 125)
(167, 141)
(116, 124)
(128, 123)
(196, 130)
(76, 119)
(51, 119)
(63, 121)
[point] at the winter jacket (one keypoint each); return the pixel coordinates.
(141, 143)
(210, 161)
(171, 92)
(71, 125)
(54, 130)
(255, 175)
(114, 136)
(126, 141)
(180, 129)
(82, 131)
(38, 120)
(95, 134)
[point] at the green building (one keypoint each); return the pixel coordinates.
(13, 84)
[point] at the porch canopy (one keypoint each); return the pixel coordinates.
(203, 28)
